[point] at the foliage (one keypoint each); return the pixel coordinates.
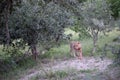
(97, 18)
(31, 23)
(115, 8)
(81, 29)
(114, 48)
(36, 22)
(92, 17)
(6, 8)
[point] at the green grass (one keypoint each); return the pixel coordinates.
(18, 69)
(61, 74)
(87, 45)
(86, 71)
(57, 75)
(60, 52)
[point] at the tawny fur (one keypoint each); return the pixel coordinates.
(76, 49)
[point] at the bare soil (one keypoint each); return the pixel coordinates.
(87, 63)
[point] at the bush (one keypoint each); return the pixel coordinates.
(113, 48)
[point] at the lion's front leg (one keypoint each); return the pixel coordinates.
(80, 55)
(72, 52)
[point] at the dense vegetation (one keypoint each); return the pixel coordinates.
(28, 28)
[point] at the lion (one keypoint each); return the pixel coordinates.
(76, 49)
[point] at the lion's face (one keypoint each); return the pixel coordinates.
(77, 46)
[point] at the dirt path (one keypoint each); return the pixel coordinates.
(85, 64)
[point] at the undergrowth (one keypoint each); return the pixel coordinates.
(60, 52)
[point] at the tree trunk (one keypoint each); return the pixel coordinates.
(6, 23)
(34, 51)
(95, 39)
(94, 46)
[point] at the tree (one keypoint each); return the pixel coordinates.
(6, 8)
(38, 22)
(96, 17)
